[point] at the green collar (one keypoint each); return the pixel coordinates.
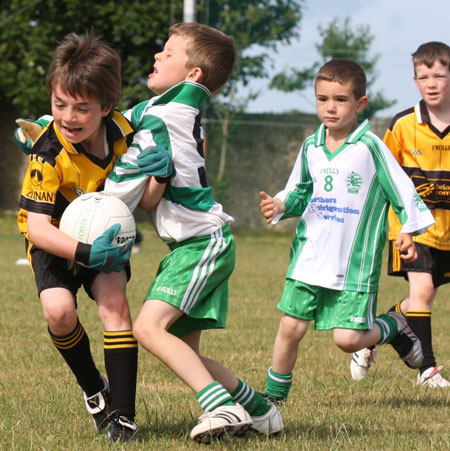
(187, 92)
(352, 138)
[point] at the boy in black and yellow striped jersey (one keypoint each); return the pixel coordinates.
(419, 138)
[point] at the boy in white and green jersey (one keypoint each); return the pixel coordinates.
(164, 172)
(341, 186)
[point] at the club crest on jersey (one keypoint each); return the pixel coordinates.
(353, 181)
(77, 190)
(420, 204)
(36, 176)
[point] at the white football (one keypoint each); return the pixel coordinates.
(89, 215)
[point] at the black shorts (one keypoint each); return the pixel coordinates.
(51, 271)
(430, 260)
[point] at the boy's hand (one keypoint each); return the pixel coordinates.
(405, 245)
(155, 161)
(27, 133)
(270, 207)
(102, 255)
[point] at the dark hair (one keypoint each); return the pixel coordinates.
(344, 71)
(82, 65)
(209, 49)
(430, 52)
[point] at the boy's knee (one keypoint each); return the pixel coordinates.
(144, 329)
(140, 330)
(58, 317)
(292, 328)
(347, 340)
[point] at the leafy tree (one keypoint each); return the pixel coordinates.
(256, 27)
(339, 40)
(31, 29)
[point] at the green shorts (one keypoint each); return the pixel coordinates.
(193, 277)
(329, 309)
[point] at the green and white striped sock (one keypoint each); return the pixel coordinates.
(213, 396)
(388, 328)
(253, 402)
(278, 384)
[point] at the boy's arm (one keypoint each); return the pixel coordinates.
(297, 193)
(394, 144)
(405, 245)
(152, 194)
(270, 207)
(399, 190)
(127, 180)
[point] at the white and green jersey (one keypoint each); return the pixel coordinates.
(343, 198)
(171, 120)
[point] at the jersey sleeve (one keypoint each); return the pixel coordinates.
(393, 142)
(125, 181)
(40, 186)
(298, 190)
(399, 190)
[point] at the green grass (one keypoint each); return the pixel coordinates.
(41, 407)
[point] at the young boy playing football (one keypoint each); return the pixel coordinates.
(341, 186)
(73, 156)
(419, 139)
(190, 292)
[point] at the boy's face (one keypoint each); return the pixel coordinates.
(170, 65)
(433, 84)
(337, 106)
(78, 118)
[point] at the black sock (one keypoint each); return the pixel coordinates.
(420, 323)
(121, 360)
(76, 351)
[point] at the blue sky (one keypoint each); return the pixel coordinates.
(399, 27)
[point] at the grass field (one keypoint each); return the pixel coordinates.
(41, 407)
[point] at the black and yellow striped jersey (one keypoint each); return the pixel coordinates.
(58, 171)
(424, 154)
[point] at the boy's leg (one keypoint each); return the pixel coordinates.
(265, 416)
(418, 313)
(389, 328)
(424, 276)
(222, 414)
(120, 351)
(419, 304)
(72, 342)
(285, 351)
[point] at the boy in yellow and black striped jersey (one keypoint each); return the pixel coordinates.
(419, 138)
(190, 291)
(73, 155)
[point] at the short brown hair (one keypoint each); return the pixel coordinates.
(344, 71)
(209, 49)
(430, 52)
(83, 65)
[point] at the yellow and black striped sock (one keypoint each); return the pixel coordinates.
(121, 361)
(420, 323)
(397, 308)
(76, 351)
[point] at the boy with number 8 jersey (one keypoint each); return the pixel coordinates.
(342, 183)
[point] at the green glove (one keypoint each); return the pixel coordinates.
(102, 255)
(28, 131)
(156, 161)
